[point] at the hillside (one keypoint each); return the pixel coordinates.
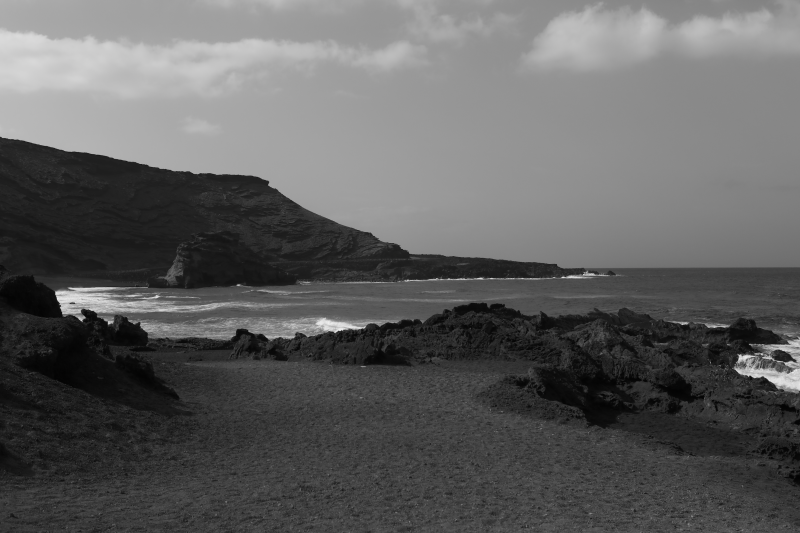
(69, 213)
(77, 214)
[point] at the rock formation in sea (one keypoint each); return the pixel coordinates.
(70, 213)
(218, 259)
(590, 367)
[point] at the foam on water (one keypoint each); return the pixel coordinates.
(272, 327)
(707, 324)
(786, 381)
(436, 292)
(714, 297)
(334, 325)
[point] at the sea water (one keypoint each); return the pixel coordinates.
(715, 297)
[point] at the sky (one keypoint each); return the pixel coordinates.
(596, 135)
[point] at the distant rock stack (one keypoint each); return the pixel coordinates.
(219, 259)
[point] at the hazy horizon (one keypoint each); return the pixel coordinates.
(622, 134)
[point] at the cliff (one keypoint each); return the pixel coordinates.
(219, 260)
(73, 213)
(70, 213)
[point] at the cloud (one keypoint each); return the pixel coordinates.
(30, 62)
(432, 26)
(198, 126)
(330, 5)
(427, 23)
(597, 38)
(280, 5)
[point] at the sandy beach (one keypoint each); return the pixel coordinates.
(299, 446)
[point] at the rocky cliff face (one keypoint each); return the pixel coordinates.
(68, 212)
(217, 260)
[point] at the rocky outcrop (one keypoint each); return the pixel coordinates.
(25, 294)
(251, 346)
(590, 367)
(68, 212)
(418, 267)
(75, 353)
(121, 332)
(126, 333)
(218, 260)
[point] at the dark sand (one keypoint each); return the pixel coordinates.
(295, 446)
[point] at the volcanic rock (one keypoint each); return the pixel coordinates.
(25, 294)
(72, 352)
(219, 259)
(70, 212)
(142, 369)
(126, 333)
(780, 355)
(745, 329)
(417, 267)
(590, 367)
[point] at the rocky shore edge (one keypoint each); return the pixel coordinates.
(588, 369)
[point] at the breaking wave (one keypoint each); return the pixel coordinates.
(333, 325)
(785, 376)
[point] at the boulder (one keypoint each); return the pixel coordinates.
(50, 346)
(783, 357)
(97, 326)
(745, 329)
(214, 259)
(126, 333)
(256, 347)
(25, 294)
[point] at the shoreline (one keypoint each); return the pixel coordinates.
(58, 283)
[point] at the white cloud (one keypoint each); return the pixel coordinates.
(30, 62)
(430, 25)
(198, 126)
(597, 38)
(427, 23)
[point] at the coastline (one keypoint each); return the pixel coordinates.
(63, 282)
(287, 441)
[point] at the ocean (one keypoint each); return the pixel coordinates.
(716, 297)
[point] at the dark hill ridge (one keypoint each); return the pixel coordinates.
(69, 212)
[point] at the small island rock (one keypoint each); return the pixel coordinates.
(219, 259)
